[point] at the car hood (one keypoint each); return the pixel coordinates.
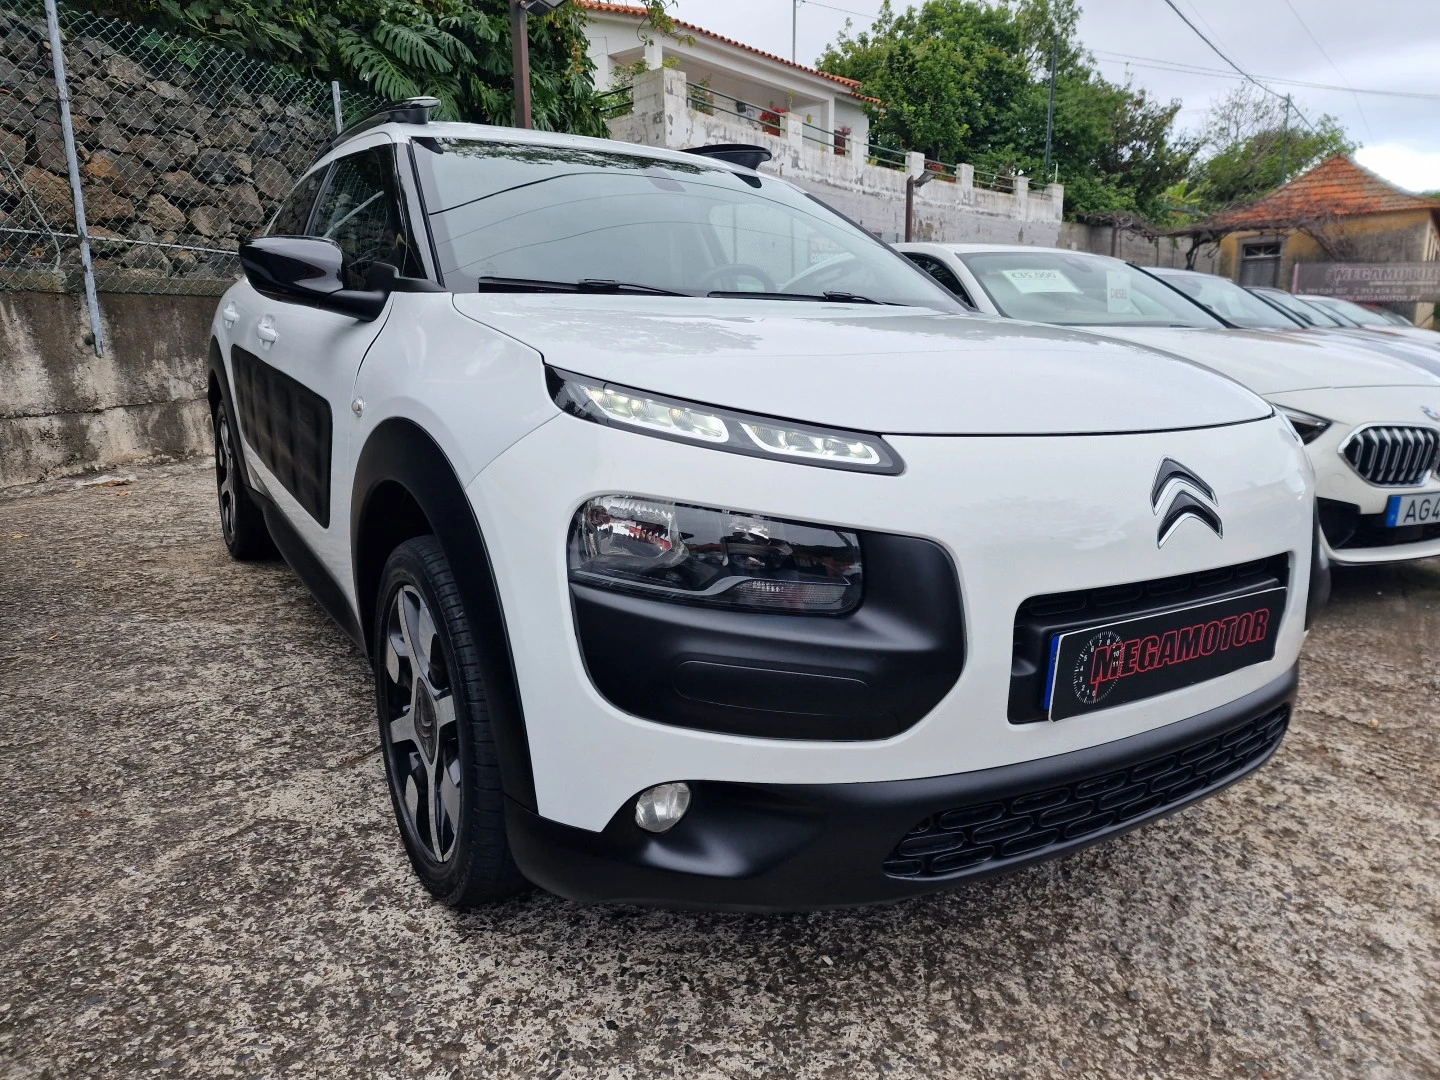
(1406, 405)
(890, 370)
(1270, 363)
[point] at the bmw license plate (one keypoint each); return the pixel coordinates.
(1113, 664)
(1404, 510)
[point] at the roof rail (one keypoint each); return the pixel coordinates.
(745, 155)
(415, 110)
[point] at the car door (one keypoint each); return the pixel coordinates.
(294, 366)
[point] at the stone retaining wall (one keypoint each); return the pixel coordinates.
(178, 144)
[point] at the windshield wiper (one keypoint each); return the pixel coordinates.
(834, 297)
(584, 285)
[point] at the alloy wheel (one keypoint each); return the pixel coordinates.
(225, 474)
(420, 729)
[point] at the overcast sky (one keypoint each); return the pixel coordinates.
(1391, 45)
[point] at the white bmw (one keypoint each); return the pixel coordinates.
(1371, 421)
(708, 554)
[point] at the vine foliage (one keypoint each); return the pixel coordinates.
(455, 50)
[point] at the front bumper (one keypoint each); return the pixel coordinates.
(1351, 508)
(783, 847)
(1018, 517)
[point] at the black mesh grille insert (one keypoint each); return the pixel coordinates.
(967, 837)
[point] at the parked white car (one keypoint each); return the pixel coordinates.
(1371, 322)
(1253, 309)
(1371, 422)
(708, 554)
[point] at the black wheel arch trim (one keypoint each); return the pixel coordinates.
(399, 458)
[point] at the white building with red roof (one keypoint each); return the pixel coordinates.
(737, 78)
(695, 88)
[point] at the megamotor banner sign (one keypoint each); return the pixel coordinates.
(1380, 283)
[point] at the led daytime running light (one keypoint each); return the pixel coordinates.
(737, 433)
(794, 443)
(657, 415)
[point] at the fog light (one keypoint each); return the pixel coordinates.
(662, 806)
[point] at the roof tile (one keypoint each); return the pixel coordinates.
(1337, 187)
(852, 85)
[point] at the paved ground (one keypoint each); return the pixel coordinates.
(200, 876)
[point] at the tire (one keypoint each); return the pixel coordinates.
(242, 523)
(435, 732)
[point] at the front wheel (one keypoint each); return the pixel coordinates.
(436, 734)
(242, 523)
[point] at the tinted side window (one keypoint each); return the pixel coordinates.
(941, 273)
(294, 212)
(360, 211)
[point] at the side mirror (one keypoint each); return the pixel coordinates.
(306, 270)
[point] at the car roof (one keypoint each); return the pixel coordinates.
(1180, 271)
(446, 129)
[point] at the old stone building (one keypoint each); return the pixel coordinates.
(1339, 211)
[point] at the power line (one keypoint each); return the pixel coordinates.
(1195, 69)
(843, 11)
(1242, 72)
(1333, 65)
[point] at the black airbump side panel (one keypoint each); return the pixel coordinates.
(289, 425)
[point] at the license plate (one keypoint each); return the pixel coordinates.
(1117, 663)
(1404, 510)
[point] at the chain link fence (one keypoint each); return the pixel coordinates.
(182, 149)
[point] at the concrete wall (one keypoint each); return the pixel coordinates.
(1132, 247)
(64, 410)
(870, 194)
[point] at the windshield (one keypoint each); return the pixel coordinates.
(1345, 309)
(530, 215)
(1079, 290)
(1229, 301)
(1307, 314)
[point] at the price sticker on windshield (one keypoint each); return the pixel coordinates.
(1040, 281)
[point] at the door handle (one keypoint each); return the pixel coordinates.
(266, 332)
(230, 315)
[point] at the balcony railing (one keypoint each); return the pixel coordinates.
(617, 102)
(886, 158)
(840, 143)
(761, 117)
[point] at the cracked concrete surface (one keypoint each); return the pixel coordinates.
(200, 875)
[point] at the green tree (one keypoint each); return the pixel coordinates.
(968, 80)
(1249, 148)
(947, 74)
(455, 50)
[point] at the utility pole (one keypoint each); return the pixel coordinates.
(1050, 112)
(794, 21)
(1285, 143)
(520, 53)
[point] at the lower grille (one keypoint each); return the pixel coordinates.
(1346, 528)
(1393, 456)
(967, 838)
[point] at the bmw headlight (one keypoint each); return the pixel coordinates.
(721, 429)
(1308, 426)
(724, 558)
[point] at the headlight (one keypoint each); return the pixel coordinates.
(1308, 426)
(721, 429)
(671, 551)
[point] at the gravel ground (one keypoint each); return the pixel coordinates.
(201, 876)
